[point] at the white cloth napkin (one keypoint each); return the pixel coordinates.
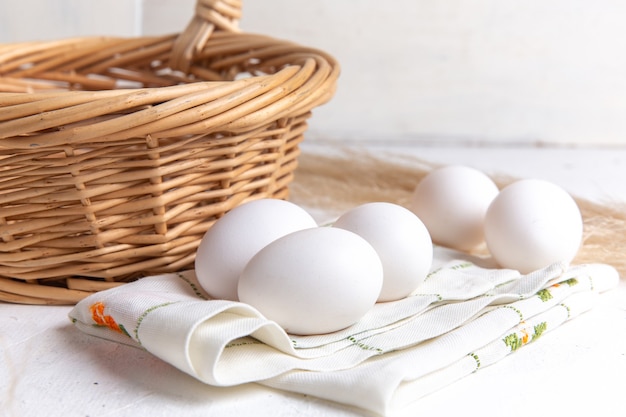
(463, 318)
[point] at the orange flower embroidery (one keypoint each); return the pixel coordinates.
(97, 314)
(525, 336)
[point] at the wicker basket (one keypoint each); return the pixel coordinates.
(117, 155)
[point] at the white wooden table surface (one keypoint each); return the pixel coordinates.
(47, 367)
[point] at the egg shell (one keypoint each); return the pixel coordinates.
(401, 241)
(452, 202)
(313, 281)
(531, 224)
(236, 237)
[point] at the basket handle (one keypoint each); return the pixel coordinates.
(210, 15)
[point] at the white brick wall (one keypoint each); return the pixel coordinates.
(510, 71)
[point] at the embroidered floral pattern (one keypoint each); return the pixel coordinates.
(518, 339)
(101, 319)
(571, 282)
(545, 295)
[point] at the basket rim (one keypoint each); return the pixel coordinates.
(305, 78)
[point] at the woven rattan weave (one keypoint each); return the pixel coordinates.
(117, 154)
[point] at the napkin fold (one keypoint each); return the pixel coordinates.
(463, 318)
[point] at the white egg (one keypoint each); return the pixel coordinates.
(401, 241)
(452, 202)
(313, 281)
(236, 237)
(532, 224)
